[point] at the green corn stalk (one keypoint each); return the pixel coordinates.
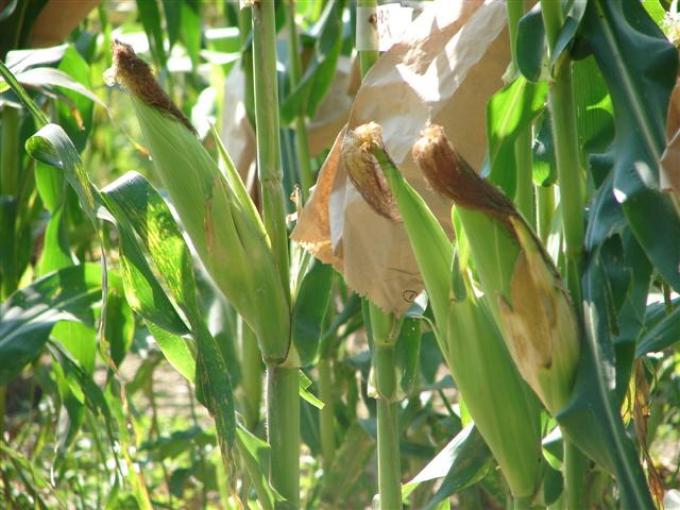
(503, 408)
(215, 209)
(520, 281)
(385, 328)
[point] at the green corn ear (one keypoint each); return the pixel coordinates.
(521, 282)
(503, 408)
(215, 209)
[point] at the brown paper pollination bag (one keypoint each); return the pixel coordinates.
(444, 70)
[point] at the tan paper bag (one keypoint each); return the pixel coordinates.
(444, 70)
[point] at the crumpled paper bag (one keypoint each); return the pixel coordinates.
(444, 70)
(238, 135)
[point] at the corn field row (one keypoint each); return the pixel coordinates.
(339, 254)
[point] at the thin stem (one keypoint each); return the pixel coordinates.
(561, 101)
(545, 197)
(565, 136)
(389, 462)
(155, 433)
(5, 478)
(524, 197)
(367, 24)
(283, 427)
(9, 184)
(251, 363)
(575, 467)
(301, 139)
(245, 23)
(327, 414)
(267, 125)
(200, 457)
(384, 329)
(9, 157)
(283, 404)
(3, 401)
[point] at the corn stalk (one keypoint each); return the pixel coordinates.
(384, 327)
(283, 403)
(565, 136)
(505, 413)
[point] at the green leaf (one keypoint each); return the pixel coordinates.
(175, 350)
(320, 71)
(119, 329)
(349, 464)
(28, 315)
(48, 76)
(76, 109)
(56, 253)
(141, 209)
(544, 168)
(310, 310)
(509, 112)
(305, 383)
(255, 455)
(190, 33)
(591, 419)
(51, 145)
(151, 21)
(407, 353)
(128, 196)
(462, 463)
(639, 66)
(173, 19)
(594, 109)
(660, 335)
(530, 44)
(38, 115)
(572, 21)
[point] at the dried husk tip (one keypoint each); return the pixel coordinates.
(364, 170)
(135, 75)
(450, 175)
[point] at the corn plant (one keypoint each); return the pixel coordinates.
(164, 344)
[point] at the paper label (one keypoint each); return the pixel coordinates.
(393, 20)
(379, 28)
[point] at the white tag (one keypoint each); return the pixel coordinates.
(379, 28)
(393, 20)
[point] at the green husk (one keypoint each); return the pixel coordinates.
(503, 408)
(215, 209)
(520, 281)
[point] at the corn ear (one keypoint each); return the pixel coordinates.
(522, 284)
(216, 212)
(505, 412)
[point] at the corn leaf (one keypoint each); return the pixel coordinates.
(140, 209)
(531, 44)
(639, 66)
(320, 72)
(28, 315)
(509, 112)
(461, 463)
(309, 311)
